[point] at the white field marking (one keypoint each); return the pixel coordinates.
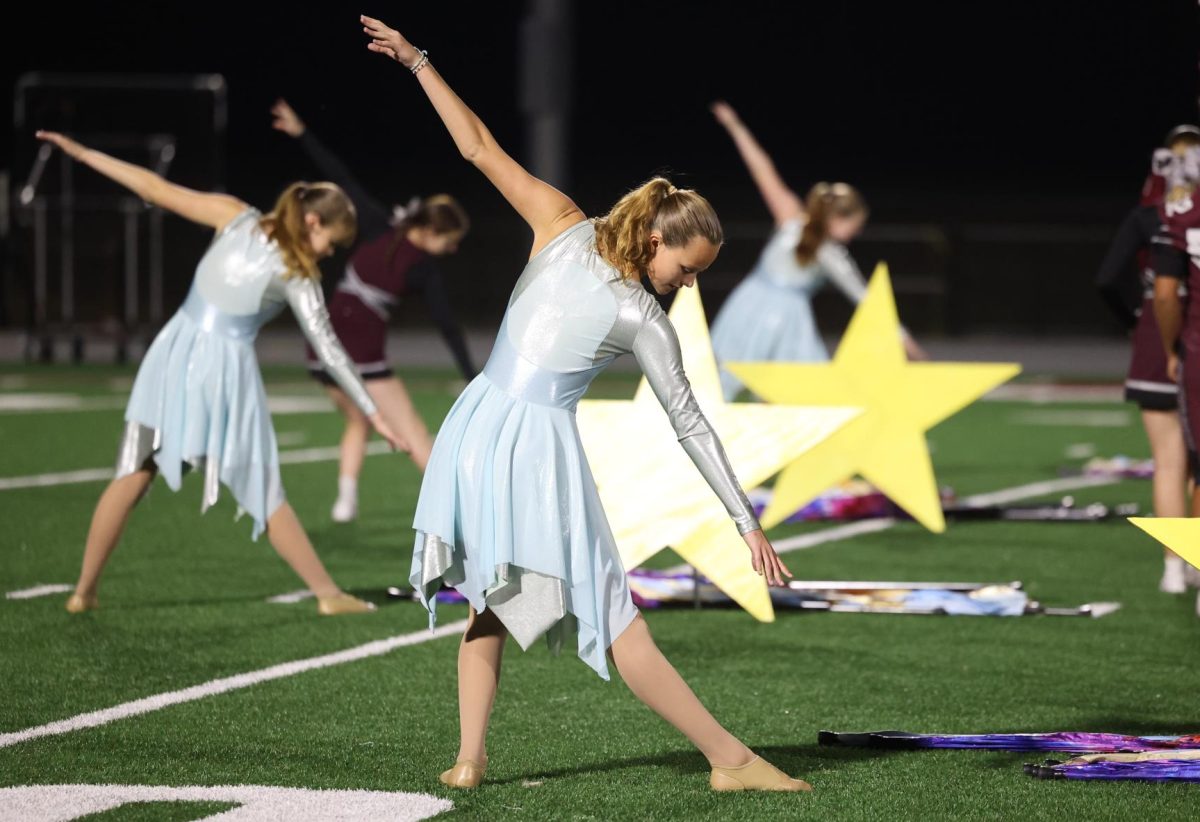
(60, 478)
(1080, 451)
(1075, 418)
(213, 687)
(327, 453)
(24, 403)
(39, 591)
(835, 534)
(290, 598)
(1038, 489)
(1054, 393)
(255, 803)
(292, 457)
(27, 402)
(289, 438)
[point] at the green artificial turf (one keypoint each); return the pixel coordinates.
(184, 603)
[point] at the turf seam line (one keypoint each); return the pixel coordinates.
(148, 704)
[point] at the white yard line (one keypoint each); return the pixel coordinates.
(835, 534)
(1038, 489)
(157, 702)
(39, 591)
(292, 457)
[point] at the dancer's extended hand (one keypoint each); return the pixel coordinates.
(69, 146)
(286, 119)
(390, 42)
(1173, 367)
(381, 427)
(764, 559)
(724, 113)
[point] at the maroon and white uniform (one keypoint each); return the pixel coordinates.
(1132, 301)
(1177, 255)
(384, 269)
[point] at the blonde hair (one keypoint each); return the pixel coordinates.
(623, 235)
(826, 200)
(285, 223)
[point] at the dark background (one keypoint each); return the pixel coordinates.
(998, 144)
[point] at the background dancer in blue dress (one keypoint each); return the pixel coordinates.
(769, 315)
(396, 257)
(509, 513)
(198, 399)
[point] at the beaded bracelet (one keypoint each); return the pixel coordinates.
(420, 64)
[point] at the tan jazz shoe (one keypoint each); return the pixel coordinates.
(78, 603)
(466, 773)
(756, 775)
(343, 603)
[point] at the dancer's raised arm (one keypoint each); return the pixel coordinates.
(783, 203)
(546, 209)
(198, 206)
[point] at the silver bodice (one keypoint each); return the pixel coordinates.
(240, 286)
(571, 314)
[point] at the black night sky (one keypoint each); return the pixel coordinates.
(1024, 112)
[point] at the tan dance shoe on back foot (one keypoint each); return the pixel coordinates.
(77, 604)
(466, 773)
(756, 775)
(343, 603)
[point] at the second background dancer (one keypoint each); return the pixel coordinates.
(769, 316)
(396, 257)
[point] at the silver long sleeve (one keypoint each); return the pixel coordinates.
(308, 304)
(657, 351)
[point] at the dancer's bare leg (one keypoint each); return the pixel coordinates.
(108, 521)
(656, 682)
(396, 407)
(479, 657)
(354, 437)
(1165, 432)
(289, 539)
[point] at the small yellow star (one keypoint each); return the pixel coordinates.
(901, 401)
(655, 497)
(1180, 534)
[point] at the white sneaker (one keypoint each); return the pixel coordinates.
(1172, 581)
(345, 510)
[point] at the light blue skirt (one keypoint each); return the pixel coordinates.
(764, 322)
(200, 392)
(509, 515)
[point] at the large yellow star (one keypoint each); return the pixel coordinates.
(1180, 534)
(653, 494)
(902, 400)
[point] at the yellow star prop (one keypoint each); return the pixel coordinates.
(655, 497)
(1180, 534)
(902, 400)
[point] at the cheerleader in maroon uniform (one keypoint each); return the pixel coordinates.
(1148, 383)
(395, 258)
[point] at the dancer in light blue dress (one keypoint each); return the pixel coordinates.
(509, 513)
(769, 316)
(198, 399)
